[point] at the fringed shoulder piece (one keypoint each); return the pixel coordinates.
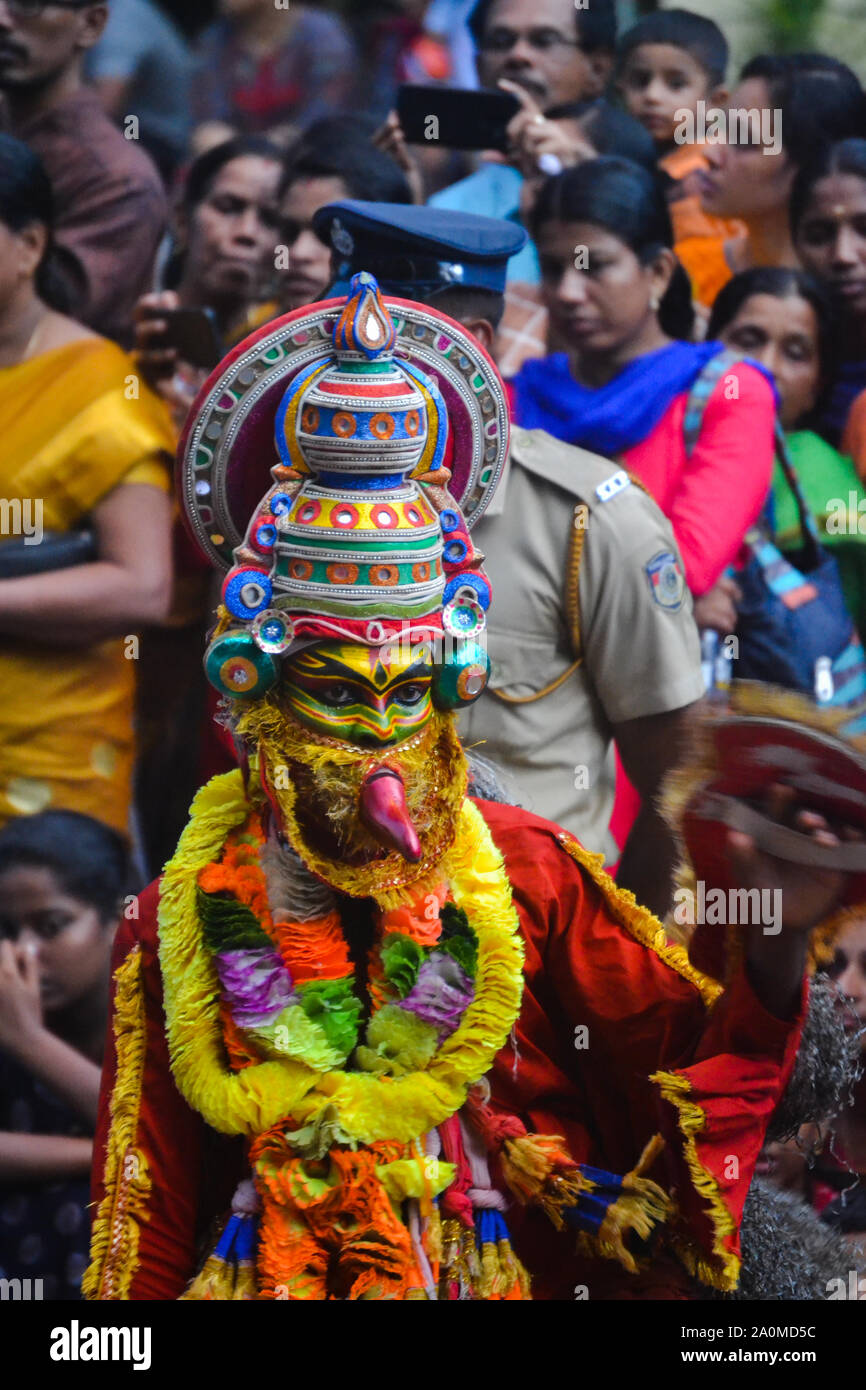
(638, 921)
(114, 1243)
(722, 1269)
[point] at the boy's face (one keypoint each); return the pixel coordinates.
(657, 81)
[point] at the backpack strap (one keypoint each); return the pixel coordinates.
(703, 387)
(788, 584)
(808, 526)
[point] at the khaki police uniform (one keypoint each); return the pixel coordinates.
(591, 625)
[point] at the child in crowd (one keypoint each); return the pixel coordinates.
(62, 880)
(670, 67)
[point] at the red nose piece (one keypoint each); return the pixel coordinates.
(384, 812)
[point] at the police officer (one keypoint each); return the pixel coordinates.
(592, 639)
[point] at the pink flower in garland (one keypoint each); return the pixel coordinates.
(441, 994)
(256, 985)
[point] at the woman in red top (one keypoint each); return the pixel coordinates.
(620, 302)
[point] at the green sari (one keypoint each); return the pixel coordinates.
(837, 500)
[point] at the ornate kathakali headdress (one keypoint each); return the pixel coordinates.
(374, 410)
(374, 1151)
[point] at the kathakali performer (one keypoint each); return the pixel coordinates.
(373, 1036)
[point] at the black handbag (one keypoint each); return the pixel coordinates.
(793, 624)
(793, 613)
(57, 550)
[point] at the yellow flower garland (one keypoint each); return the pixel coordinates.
(371, 1107)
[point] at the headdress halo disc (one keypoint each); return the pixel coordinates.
(227, 449)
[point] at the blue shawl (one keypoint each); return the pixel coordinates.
(607, 419)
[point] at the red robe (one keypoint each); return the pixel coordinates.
(585, 965)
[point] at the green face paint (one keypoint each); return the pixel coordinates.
(362, 695)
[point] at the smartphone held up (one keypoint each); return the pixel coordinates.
(456, 118)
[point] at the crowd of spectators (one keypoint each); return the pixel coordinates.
(159, 200)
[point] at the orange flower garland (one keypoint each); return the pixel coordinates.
(315, 950)
(419, 919)
(238, 872)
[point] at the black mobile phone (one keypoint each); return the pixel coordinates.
(193, 334)
(455, 117)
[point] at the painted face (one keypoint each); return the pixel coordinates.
(320, 785)
(367, 696)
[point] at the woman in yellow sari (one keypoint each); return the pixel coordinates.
(82, 444)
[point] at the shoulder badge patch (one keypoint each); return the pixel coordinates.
(666, 580)
(611, 486)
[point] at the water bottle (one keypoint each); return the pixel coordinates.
(722, 668)
(825, 688)
(709, 654)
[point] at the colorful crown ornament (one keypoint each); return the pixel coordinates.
(357, 539)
